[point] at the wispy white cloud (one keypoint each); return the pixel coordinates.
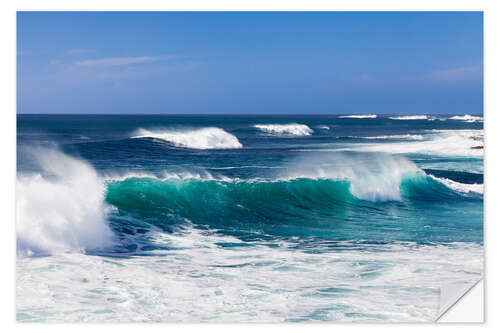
(140, 71)
(81, 74)
(79, 51)
(458, 74)
(122, 61)
(118, 69)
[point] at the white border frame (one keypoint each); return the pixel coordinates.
(8, 130)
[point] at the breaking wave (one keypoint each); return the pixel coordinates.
(60, 208)
(67, 207)
(403, 136)
(293, 206)
(360, 116)
(203, 138)
(415, 117)
(285, 129)
(468, 118)
(373, 177)
(467, 143)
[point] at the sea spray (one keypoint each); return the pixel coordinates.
(373, 177)
(60, 208)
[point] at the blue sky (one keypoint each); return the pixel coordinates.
(308, 63)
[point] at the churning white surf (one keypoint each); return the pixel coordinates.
(414, 117)
(61, 208)
(202, 138)
(285, 129)
(198, 280)
(360, 116)
(468, 118)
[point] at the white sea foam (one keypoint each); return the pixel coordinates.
(468, 118)
(373, 177)
(199, 281)
(285, 129)
(360, 116)
(60, 209)
(460, 187)
(323, 127)
(202, 138)
(436, 142)
(414, 117)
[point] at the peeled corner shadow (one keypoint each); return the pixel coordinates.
(450, 295)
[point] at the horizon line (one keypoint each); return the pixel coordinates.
(250, 114)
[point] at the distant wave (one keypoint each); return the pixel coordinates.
(246, 167)
(414, 117)
(467, 118)
(203, 138)
(285, 129)
(360, 116)
(435, 142)
(323, 127)
(403, 136)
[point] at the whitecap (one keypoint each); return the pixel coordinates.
(468, 118)
(414, 117)
(285, 129)
(202, 138)
(403, 136)
(435, 142)
(323, 127)
(360, 116)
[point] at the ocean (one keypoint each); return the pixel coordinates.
(233, 218)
